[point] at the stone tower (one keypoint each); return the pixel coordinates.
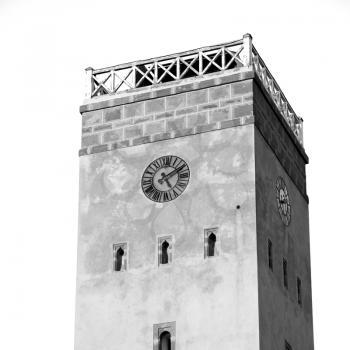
(193, 215)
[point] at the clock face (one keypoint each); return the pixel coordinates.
(283, 201)
(165, 178)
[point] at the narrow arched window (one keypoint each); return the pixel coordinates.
(165, 255)
(164, 335)
(119, 255)
(165, 247)
(270, 256)
(119, 259)
(165, 341)
(211, 244)
(285, 273)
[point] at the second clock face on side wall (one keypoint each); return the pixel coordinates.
(165, 178)
(283, 201)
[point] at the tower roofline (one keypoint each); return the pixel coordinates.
(193, 65)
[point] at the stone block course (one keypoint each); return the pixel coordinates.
(99, 148)
(133, 131)
(175, 124)
(219, 92)
(87, 130)
(204, 84)
(162, 93)
(113, 135)
(242, 87)
(142, 97)
(175, 101)
(186, 110)
(123, 122)
(90, 140)
(155, 127)
(197, 119)
(208, 106)
(179, 113)
(197, 97)
(205, 128)
(138, 120)
(155, 106)
(102, 127)
(164, 115)
(112, 114)
(235, 100)
(91, 118)
(184, 88)
(241, 110)
(134, 109)
(141, 140)
(162, 136)
(184, 132)
(218, 115)
(120, 144)
(83, 152)
(230, 123)
(248, 98)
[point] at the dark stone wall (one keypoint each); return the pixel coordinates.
(279, 137)
(281, 318)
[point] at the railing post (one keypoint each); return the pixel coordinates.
(247, 50)
(178, 73)
(88, 82)
(155, 78)
(223, 61)
(133, 76)
(300, 129)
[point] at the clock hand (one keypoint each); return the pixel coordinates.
(171, 174)
(164, 178)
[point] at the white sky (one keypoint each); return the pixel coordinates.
(45, 47)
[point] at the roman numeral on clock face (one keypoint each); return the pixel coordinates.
(165, 178)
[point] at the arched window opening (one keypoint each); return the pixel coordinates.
(211, 244)
(285, 273)
(120, 256)
(164, 334)
(270, 257)
(165, 255)
(165, 341)
(211, 240)
(119, 259)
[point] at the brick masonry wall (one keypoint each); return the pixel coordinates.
(283, 143)
(176, 115)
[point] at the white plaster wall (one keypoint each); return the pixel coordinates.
(213, 301)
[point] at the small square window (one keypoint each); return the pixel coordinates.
(120, 256)
(165, 250)
(211, 242)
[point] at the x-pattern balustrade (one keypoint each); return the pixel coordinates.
(190, 64)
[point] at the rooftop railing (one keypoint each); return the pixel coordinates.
(189, 64)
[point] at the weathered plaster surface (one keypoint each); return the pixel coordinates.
(281, 318)
(214, 301)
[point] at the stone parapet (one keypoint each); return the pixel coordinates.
(185, 109)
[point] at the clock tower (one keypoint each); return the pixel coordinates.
(193, 210)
